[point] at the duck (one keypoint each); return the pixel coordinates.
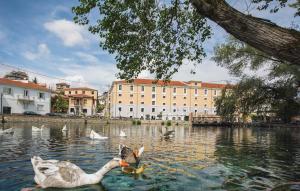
(168, 134)
(94, 135)
(122, 134)
(130, 156)
(64, 128)
(34, 128)
(64, 174)
(7, 131)
(132, 170)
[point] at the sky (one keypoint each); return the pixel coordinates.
(40, 37)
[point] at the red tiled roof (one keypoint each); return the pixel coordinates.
(80, 96)
(211, 85)
(156, 82)
(29, 85)
(80, 88)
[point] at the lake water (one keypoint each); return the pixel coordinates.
(200, 158)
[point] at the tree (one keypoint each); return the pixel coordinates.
(35, 80)
(100, 108)
(59, 104)
(17, 75)
(159, 36)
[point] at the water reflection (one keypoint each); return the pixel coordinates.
(195, 159)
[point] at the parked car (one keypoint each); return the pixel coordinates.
(30, 113)
(54, 114)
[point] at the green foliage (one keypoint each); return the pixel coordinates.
(100, 108)
(162, 123)
(147, 35)
(169, 123)
(59, 104)
(138, 122)
(133, 122)
(275, 5)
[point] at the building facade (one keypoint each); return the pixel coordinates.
(82, 100)
(20, 96)
(60, 87)
(149, 99)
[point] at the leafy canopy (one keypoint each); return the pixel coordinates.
(147, 34)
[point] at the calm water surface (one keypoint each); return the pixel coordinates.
(195, 159)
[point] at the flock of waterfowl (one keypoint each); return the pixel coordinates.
(64, 174)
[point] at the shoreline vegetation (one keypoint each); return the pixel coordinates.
(137, 122)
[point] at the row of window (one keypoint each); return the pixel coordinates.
(153, 103)
(154, 96)
(8, 91)
(164, 90)
(83, 92)
(163, 110)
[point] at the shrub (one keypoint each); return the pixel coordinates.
(169, 123)
(138, 122)
(133, 122)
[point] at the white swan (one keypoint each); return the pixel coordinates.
(65, 128)
(122, 134)
(94, 135)
(63, 174)
(7, 131)
(34, 128)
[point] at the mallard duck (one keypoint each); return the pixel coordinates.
(132, 170)
(7, 131)
(63, 174)
(94, 135)
(130, 156)
(122, 134)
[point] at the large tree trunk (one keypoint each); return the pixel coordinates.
(278, 42)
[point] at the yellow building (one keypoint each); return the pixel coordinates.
(149, 99)
(81, 100)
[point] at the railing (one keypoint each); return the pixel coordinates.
(27, 98)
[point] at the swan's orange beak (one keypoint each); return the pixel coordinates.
(123, 163)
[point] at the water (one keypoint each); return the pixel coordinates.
(208, 158)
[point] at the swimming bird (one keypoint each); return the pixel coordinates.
(94, 135)
(122, 134)
(7, 131)
(168, 134)
(63, 174)
(130, 156)
(34, 128)
(64, 128)
(132, 170)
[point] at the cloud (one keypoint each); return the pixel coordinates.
(41, 52)
(70, 33)
(88, 58)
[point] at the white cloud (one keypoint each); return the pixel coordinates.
(41, 52)
(88, 58)
(70, 33)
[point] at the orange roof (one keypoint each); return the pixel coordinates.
(212, 85)
(80, 96)
(29, 85)
(79, 88)
(156, 82)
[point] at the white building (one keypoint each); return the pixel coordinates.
(20, 96)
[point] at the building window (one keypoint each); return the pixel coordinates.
(84, 110)
(184, 110)
(120, 101)
(153, 89)
(174, 97)
(184, 97)
(215, 92)
(153, 96)
(164, 103)
(174, 90)
(40, 107)
(196, 105)
(196, 111)
(184, 90)
(7, 91)
(142, 102)
(195, 98)
(164, 89)
(196, 91)
(142, 88)
(153, 109)
(131, 88)
(205, 98)
(84, 101)
(72, 110)
(205, 92)
(120, 95)
(83, 92)
(174, 104)
(205, 111)
(153, 102)
(174, 110)
(41, 95)
(164, 97)
(196, 83)
(26, 93)
(142, 110)
(92, 92)
(184, 104)
(120, 87)
(120, 108)
(164, 109)
(131, 102)
(131, 95)
(143, 95)
(75, 92)
(131, 109)
(205, 105)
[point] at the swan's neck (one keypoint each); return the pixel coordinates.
(106, 168)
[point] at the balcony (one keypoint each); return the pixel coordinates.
(25, 98)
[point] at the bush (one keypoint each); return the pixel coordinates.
(169, 123)
(133, 122)
(138, 122)
(177, 123)
(162, 123)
